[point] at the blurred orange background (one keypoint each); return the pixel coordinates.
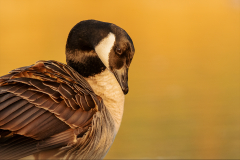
(184, 99)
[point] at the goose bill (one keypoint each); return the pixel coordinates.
(122, 78)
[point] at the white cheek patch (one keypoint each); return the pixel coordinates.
(104, 47)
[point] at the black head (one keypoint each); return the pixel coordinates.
(93, 46)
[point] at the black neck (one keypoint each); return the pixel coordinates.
(88, 65)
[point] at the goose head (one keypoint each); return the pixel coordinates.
(94, 46)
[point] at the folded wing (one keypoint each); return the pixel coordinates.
(41, 107)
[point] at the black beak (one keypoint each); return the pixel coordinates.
(122, 78)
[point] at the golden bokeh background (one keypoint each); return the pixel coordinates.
(184, 99)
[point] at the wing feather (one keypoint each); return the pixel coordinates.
(41, 106)
(6, 96)
(16, 113)
(12, 108)
(22, 120)
(9, 102)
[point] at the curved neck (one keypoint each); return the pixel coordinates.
(106, 86)
(85, 63)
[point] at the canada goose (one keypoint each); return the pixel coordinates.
(73, 111)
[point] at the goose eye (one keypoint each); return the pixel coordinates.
(118, 51)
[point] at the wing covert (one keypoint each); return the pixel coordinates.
(37, 98)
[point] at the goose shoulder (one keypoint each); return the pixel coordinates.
(48, 104)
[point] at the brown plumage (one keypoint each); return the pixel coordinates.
(43, 100)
